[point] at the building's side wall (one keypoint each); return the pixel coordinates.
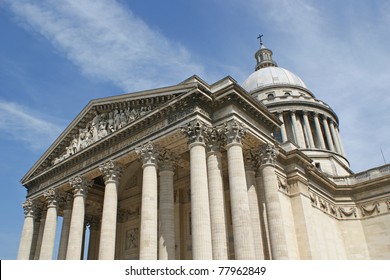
(377, 236)
(354, 239)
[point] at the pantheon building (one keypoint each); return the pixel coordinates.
(206, 171)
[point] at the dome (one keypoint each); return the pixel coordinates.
(270, 76)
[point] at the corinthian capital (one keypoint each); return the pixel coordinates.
(79, 185)
(268, 154)
(214, 139)
(234, 132)
(167, 160)
(51, 197)
(196, 131)
(28, 207)
(148, 153)
(111, 171)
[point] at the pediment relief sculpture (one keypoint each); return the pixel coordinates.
(99, 127)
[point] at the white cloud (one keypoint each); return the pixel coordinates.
(20, 124)
(108, 42)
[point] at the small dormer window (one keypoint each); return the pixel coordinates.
(287, 93)
(270, 96)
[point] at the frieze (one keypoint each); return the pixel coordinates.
(100, 127)
(348, 213)
(89, 160)
(367, 210)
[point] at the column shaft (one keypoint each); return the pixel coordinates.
(49, 232)
(255, 215)
(282, 127)
(319, 135)
(167, 217)
(67, 216)
(274, 212)
(27, 232)
(217, 206)
(335, 138)
(307, 130)
(40, 235)
(327, 134)
(110, 208)
(200, 209)
(242, 230)
(76, 233)
(297, 131)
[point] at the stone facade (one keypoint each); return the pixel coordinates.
(199, 171)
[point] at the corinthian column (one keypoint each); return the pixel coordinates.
(49, 232)
(277, 235)
(28, 231)
(307, 129)
(66, 203)
(327, 133)
(319, 134)
(282, 127)
(200, 208)
(111, 172)
(216, 195)
(250, 173)
(75, 243)
(297, 131)
(148, 238)
(166, 239)
(242, 230)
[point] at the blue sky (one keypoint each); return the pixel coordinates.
(55, 56)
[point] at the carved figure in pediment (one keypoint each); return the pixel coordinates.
(123, 119)
(117, 120)
(75, 144)
(102, 129)
(111, 122)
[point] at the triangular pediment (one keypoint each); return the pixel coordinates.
(102, 118)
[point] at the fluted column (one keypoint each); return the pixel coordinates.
(166, 212)
(242, 230)
(216, 195)
(327, 133)
(297, 132)
(149, 216)
(307, 130)
(282, 127)
(111, 172)
(250, 173)
(37, 226)
(277, 235)
(200, 209)
(49, 232)
(334, 136)
(27, 232)
(75, 243)
(319, 134)
(66, 203)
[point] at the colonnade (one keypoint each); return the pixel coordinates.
(157, 230)
(311, 130)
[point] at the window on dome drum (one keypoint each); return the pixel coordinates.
(287, 93)
(270, 96)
